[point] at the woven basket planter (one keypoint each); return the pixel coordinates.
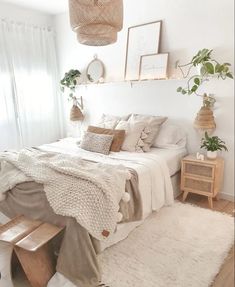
(205, 120)
(76, 114)
(96, 22)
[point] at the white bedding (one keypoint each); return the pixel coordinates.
(151, 177)
(154, 170)
(147, 167)
(172, 156)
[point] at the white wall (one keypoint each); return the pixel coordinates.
(19, 14)
(188, 26)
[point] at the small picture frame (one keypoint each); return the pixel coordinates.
(153, 67)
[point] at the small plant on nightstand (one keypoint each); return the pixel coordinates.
(212, 145)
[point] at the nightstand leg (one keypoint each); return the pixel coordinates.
(210, 200)
(185, 195)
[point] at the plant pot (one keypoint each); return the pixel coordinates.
(211, 154)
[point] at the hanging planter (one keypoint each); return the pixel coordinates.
(76, 113)
(70, 82)
(205, 120)
(96, 22)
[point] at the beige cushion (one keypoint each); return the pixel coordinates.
(153, 124)
(132, 141)
(110, 121)
(118, 136)
(96, 142)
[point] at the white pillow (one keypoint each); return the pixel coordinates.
(134, 129)
(170, 137)
(153, 124)
(110, 121)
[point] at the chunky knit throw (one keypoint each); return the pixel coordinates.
(88, 191)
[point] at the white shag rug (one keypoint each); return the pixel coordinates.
(180, 246)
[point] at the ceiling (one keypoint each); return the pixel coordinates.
(46, 6)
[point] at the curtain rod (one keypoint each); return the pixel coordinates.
(30, 25)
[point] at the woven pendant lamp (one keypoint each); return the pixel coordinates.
(96, 22)
(205, 120)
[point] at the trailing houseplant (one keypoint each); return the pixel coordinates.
(212, 145)
(70, 82)
(207, 67)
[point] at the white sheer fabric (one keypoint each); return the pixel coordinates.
(29, 98)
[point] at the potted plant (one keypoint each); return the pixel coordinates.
(207, 67)
(70, 82)
(212, 145)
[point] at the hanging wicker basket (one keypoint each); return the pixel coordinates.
(76, 114)
(96, 22)
(205, 120)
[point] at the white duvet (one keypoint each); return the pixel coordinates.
(153, 173)
(154, 182)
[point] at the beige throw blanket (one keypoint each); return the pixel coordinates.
(87, 191)
(78, 252)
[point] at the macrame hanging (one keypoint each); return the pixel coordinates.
(96, 22)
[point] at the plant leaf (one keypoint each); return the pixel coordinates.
(217, 68)
(179, 89)
(194, 88)
(209, 68)
(203, 70)
(197, 81)
(229, 75)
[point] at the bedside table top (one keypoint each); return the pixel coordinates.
(193, 158)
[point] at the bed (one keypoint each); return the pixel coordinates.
(158, 172)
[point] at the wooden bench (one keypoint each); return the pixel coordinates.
(29, 239)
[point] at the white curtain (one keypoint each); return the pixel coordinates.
(30, 105)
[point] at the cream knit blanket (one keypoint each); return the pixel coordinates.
(88, 191)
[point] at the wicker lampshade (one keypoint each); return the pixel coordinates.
(205, 120)
(96, 22)
(76, 114)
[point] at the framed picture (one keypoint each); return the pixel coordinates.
(141, 40)
(153, 66)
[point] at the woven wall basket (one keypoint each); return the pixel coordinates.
(205, 120)
(76, 114)
(96, 22)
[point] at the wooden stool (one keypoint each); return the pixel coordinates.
(29, 239)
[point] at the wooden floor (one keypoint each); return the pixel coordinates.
(225, 277)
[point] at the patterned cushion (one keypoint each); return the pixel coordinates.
(97, 142)
(110, 121)
(118, 136)
(132, 141)
(153, 124)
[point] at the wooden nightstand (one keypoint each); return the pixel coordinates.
(202, 177)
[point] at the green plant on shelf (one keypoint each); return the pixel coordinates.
(70, 81)
(207, 67)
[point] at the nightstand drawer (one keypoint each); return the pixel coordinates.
(197, 169)
(197, 185)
